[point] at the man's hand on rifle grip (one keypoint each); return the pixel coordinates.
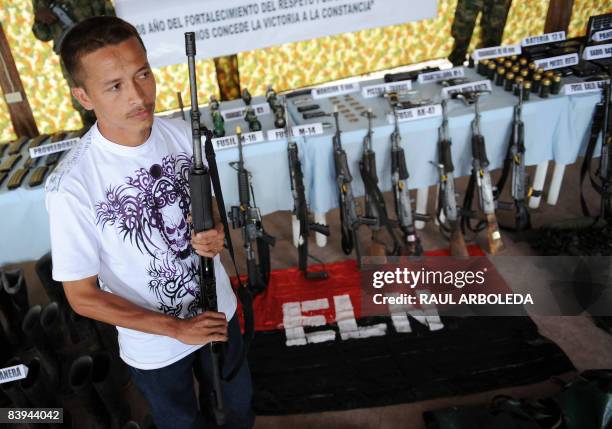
(209, 243)
(202, 329)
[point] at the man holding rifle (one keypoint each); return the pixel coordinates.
(119, 208)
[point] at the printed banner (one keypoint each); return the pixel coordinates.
(225, 27)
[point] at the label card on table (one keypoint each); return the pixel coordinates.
(13, 373)
(543, 38)
(481, 85)
(377, 90)
(234, 114)
(557, 62)
(496, 52)
(597, 52)
(228, 142)
(602, 35)
(306, 130)
(583, 87)
(334, 90)
(50, 148)
(440, 75)
(415, 113)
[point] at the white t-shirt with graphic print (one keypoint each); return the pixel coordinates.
(120, 212)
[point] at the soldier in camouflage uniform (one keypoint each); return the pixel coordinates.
(492, 23)
(48, 26)
(228, 77)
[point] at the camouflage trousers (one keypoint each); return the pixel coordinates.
(492, 23)
(228, 77)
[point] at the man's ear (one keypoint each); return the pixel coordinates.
(82, 97)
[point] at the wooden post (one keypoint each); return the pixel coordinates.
(558, 16)
(14, 94)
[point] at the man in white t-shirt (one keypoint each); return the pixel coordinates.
(119, 206)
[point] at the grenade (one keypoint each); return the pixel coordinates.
(555, 86)
(545, 88)
(518, 82)
(499, 76)
(509, 81)
(491, 70)
(537, 80)
(526, 90)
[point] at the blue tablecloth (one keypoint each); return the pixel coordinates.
(556, 128)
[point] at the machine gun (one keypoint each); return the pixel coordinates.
(248, 217)
(515, 162)
(350, 221)
(447, 201)
(401, 194)
(202, 218)
(375, 207)
(481, 179)
(300, 207)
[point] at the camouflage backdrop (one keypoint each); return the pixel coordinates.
(290, 65)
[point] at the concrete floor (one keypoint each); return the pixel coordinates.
(587, 346)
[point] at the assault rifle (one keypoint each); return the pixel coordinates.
(202, 219)
(375, 207)
(350, 221)
(248, 217)
(481, 179)
(602, 182)
(300, 207)
(401, 194)
(447, 201)
(515, 163)
(605, 169)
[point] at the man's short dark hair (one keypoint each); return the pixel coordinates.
(90, 35)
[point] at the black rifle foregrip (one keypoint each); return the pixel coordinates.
(369, 160)
(446, 156)
(479, 151)
(243, 188)
(201, 201)
(398, 163)
(342, 167)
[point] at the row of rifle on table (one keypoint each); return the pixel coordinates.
(454, 221)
